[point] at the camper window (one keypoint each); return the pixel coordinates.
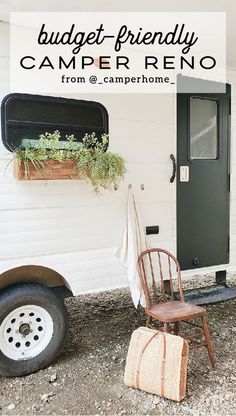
(26, 116)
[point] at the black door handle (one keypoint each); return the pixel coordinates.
(174, 168)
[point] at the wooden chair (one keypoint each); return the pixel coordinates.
(164, 307)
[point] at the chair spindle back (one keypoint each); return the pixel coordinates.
(156, 266)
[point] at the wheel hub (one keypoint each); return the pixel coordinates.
(24, 329)
(25, 332)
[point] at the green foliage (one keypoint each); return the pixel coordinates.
(49, 147)
(102, 169)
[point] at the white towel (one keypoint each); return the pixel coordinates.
(133, 243)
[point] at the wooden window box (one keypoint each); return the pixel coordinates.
(51, 170)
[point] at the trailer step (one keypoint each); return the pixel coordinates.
(210, 295)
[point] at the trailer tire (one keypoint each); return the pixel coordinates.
(33, 323)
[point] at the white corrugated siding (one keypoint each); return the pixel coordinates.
(62, 225)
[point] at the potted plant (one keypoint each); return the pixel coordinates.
(55, 159)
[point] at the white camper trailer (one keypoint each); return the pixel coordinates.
(58, 239)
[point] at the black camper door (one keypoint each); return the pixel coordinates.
(203, 179)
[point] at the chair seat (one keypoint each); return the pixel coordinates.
(174, 311)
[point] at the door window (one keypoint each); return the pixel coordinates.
(203, 129)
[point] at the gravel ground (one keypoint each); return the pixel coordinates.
(87, 378)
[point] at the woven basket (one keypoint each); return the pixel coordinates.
(157, 363)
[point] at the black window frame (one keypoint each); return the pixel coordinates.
(6, 122)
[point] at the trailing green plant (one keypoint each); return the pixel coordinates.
(103, 169)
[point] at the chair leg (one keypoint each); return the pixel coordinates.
(166, 327)
(149, 321)
(176, 328)
(208, 340)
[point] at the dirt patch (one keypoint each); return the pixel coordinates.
(87, 378)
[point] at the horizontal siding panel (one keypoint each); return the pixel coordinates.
(90, 218)
(4, 68)
(19, 248)
(233, 207)
(156, 181)
(5, 39)
(71, 225)
(82, 235)
(233, 222)
(233, 242)
(159, 214)
(85, 271)
(233, 258)
(49, 217)
(137, 107)
(77, 234)
(61, 194)
(74, 256)
(4, 88)
(34, 197)
(143, 142)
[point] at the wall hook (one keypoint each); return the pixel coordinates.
(142, 186)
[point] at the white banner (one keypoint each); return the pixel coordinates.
(115, 52)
